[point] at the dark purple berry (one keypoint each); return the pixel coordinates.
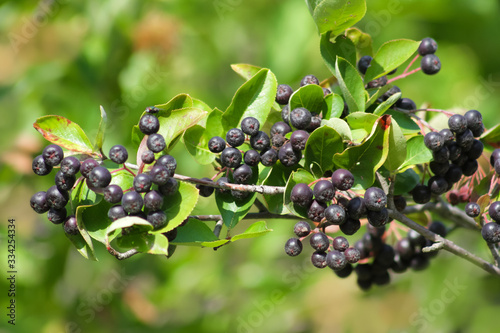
(113, 193)
(116, 212)
(416, 239)
(319, 242)
(399, 202)
(205, 190)
(437, 184)
(99, 177)
(434, 141)
(316, 211)
(377, 83)
(70, 166)
(421, 194)
(285, 114)
(470, 167)
(476, 150)
(280, 127)
(318, 259)
(87, 166)
(158, 219)
(260, 141)
(430, 64)
(350, 226)
(283, 94)
(132, 202)
(324, 191)
(153, 200)
(447, 135)
(364, 63)
(148, 124)
(491, 232)
(438, 168)
(336, 260)
(352, 255)
(442, 155)
(251, 157)
(474, 119)
(40, 167)
(378, 218)
(118, 154)
(70, 226)
(64, 182)
(356, 208)
(309, 79)
(169, 162)
(239, 195)
(156, 142)
(335, 214)
(406, 104)
(250, 126)
(494, 157)
(302, 229)
(427, 46)
(465, 139)
(170, 187)
(375, 199)
(142, 182)
(392, 91)
(494, 211)
(472, 209)
(159, 174)
(56, 198)
(269, 157)
(438, 228)
(404, 248)
(235, 137)
(457, 123)
(216, 144)
(39, 202)
(230, 157)
(298, 139)
(340, 243)
(53, 155)
(342, 179)
(301, 195)
(293, 247)
(300, 118)
(243, 174)
(288, 156)
(57, 216)
(454, 174)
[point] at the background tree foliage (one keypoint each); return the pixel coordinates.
(67, 58)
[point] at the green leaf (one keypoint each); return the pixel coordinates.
(197, 233)
(405, 181)
(233, 210)
(336, 16)
(253, 99)
(157, 244)
(408, 126)
(179, 206)
(340, 126)
(351, 84)
(416, 153)
(99, 139)
(361, 124)
(322, 144)
(82, 246)
(174, 123)
(368, 157)
(257, 229)
(310, 97)
(492, 136)
(65, 133)
(180, 101)
(197, 145)
(277, 176)
(126, 222)
(374, 94)
(384, 106)
(246, 71)
(299, 176)
(390, 55)
(397, 147)
(335, 106)
(362, 41)
(342, 46)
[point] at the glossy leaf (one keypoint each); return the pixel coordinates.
(385, 105)
(253, 99)
(126, 222)
(335, 106)
(397, 147)
(351, 84)
(246, 71)
(362, 41)
(299, 176)
(390, 55)
(492, 137)
(336, 16)
(363, 160)
(416, 152)
(277, 176)
(65, 133)
(257, 229)
(179, 206)
(197, 145)
(99, 139)
(374, 94)
(82, 246)
(340, 126)
(342, 46)
(322, 144)
(310, 97)
(361, 124)
(405, 122)
(197, 233)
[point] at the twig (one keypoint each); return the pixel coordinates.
(402, 76)
(124, 255)
(447, 211)
(434, 247)
(218, 228)
(494, 253)
(447, 244)
(263, 189)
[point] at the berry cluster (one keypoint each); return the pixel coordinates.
(145, 199)
(337, 255)
(455, 152)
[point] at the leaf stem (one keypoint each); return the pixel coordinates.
(402, 76)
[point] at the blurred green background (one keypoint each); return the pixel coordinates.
(68, 57)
